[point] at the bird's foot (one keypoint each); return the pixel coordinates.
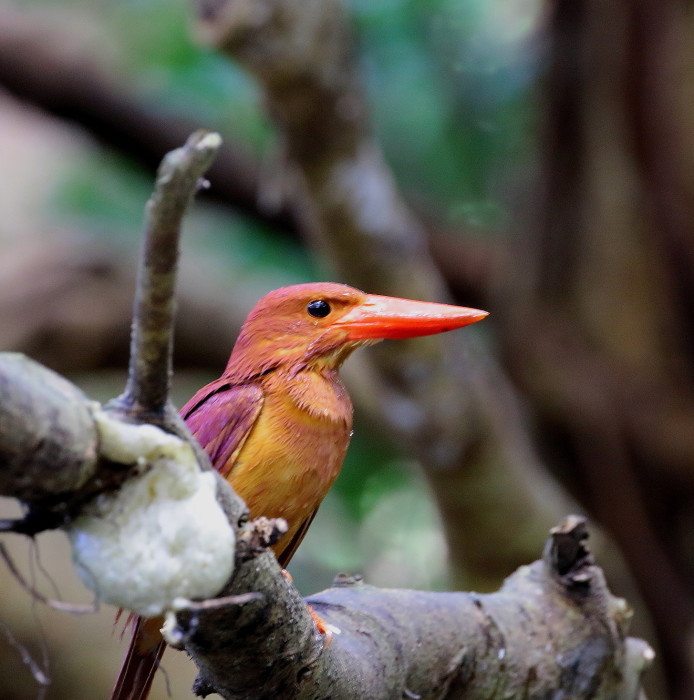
(324, 627)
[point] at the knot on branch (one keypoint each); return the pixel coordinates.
(343, 580)
(182, 619)
(260, 534)
(566, 554)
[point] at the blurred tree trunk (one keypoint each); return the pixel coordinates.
(600, 331)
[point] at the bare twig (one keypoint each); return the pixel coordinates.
(72, 608)
(212, 603)
(146, 394)
(40, 675)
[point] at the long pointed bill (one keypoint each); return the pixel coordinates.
(390, 317)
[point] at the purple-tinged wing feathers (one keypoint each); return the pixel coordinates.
(221, 416)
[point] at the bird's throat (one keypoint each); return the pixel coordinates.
(321, 395)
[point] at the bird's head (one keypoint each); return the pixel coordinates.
(320, 324)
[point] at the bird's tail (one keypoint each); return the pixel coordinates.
(141, 662)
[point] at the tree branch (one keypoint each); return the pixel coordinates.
(146, 394)
(49, 432)
(553, 625)
(48, 441)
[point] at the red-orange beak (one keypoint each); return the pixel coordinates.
(390, 317)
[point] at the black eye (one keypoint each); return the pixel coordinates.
(318, 308)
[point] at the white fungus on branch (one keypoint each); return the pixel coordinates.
(163, 535)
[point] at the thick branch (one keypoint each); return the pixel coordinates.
(48, 441)
(553, 625)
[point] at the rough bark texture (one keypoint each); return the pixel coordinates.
(552, 628)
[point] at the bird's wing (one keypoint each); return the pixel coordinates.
(221, 416)
(142, 660)
(287, 552)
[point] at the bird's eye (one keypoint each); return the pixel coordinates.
(318, 308)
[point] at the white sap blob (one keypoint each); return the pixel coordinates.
(163, 535)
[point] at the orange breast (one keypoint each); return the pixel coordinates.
(296, 448)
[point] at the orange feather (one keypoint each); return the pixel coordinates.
(277, 423)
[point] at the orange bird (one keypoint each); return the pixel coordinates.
(277, 423)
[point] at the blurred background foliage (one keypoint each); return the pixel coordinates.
(472, 111)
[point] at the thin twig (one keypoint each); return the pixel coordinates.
(146, 394)
(40, 676)
(40, 630)
(36, 563)
(72, 608)
(213, 603)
